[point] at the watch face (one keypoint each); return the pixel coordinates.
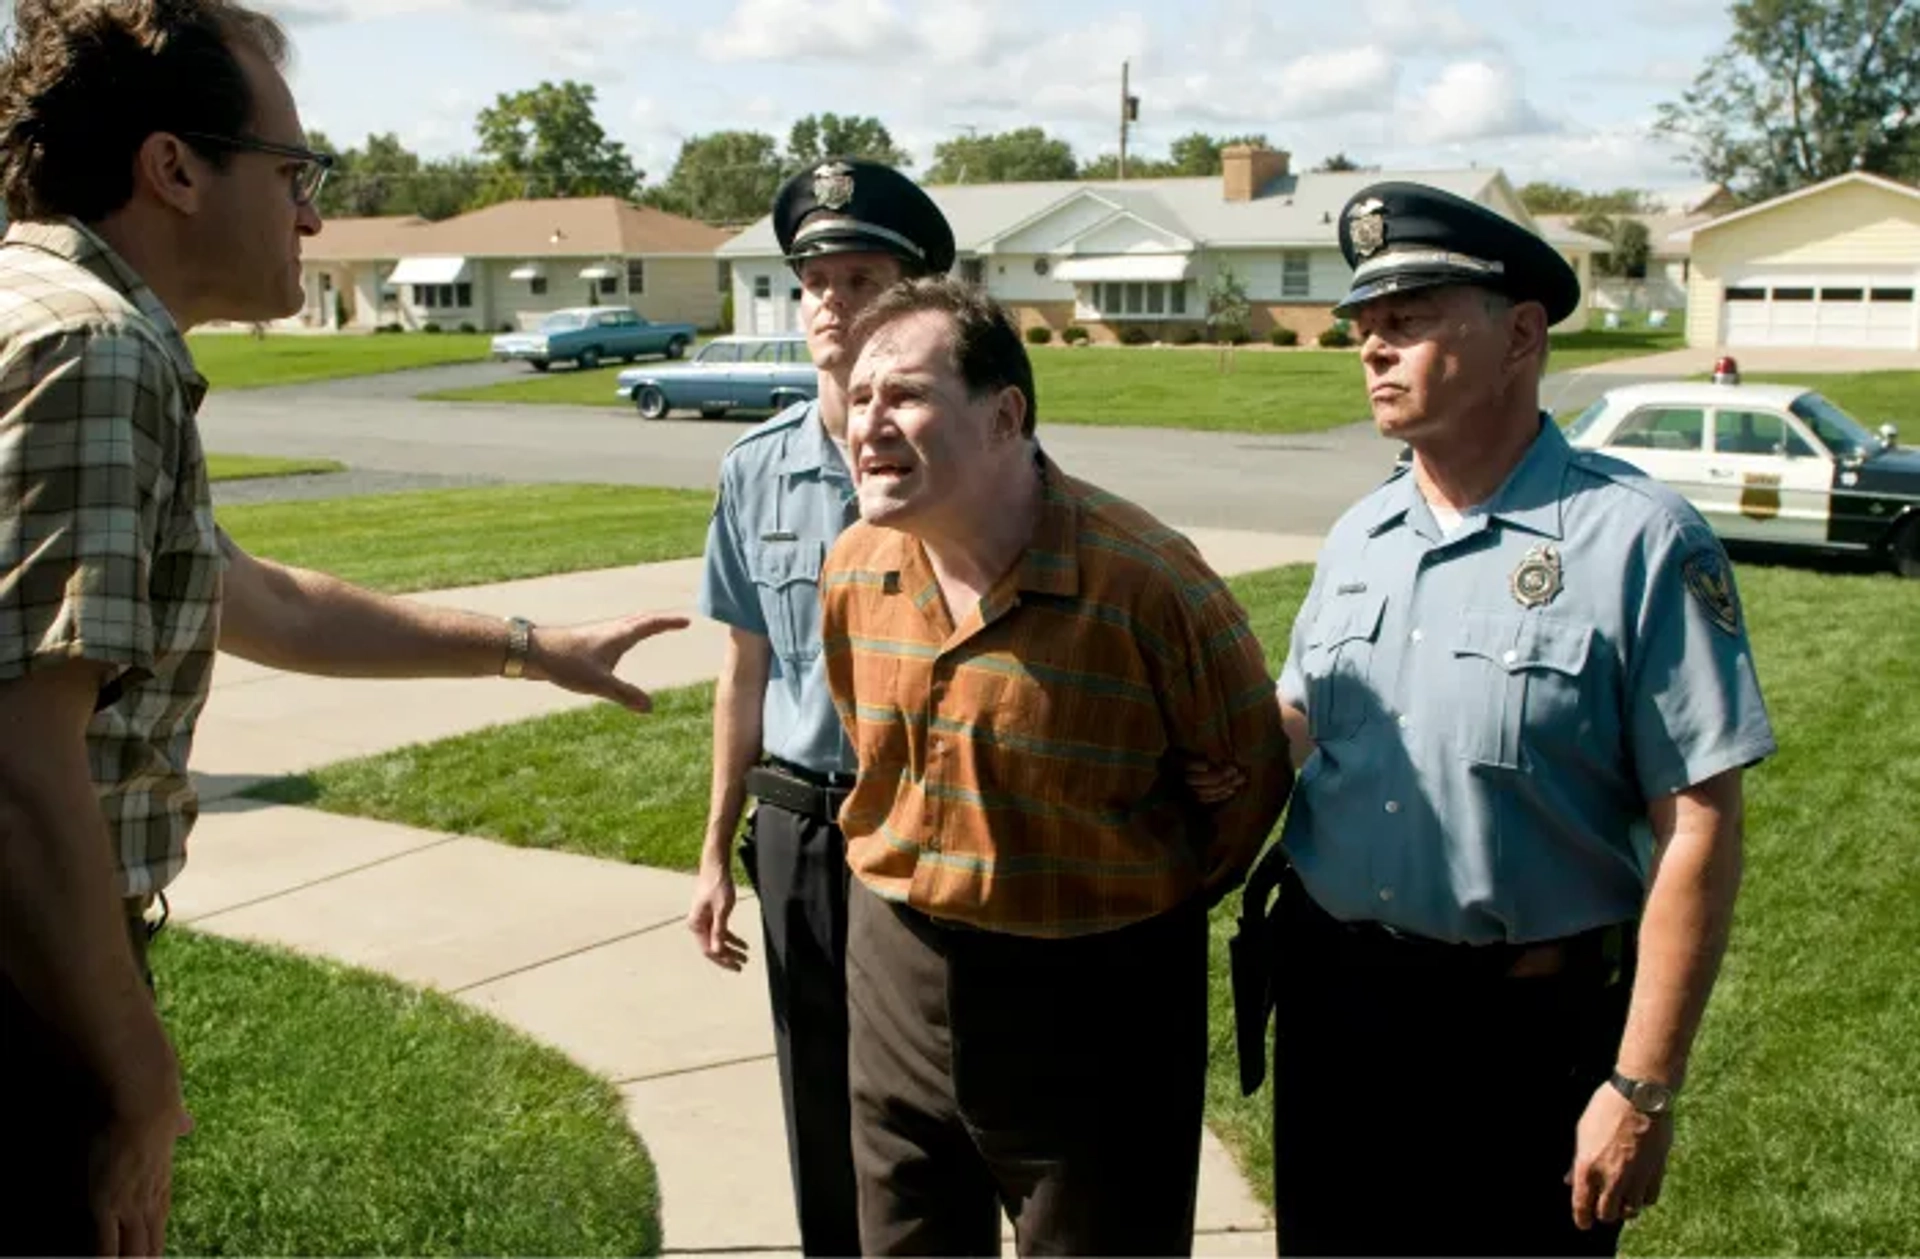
(1651, 1098)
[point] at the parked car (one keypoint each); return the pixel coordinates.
(1772, 464)
(586, 335)
(734, 373)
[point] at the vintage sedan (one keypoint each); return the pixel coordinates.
(589, 334)
(734, 373)
(1769, 464)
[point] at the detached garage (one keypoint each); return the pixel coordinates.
(1834, 265)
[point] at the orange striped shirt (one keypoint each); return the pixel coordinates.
(1021, 769)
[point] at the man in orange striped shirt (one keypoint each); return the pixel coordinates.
(1025, 664)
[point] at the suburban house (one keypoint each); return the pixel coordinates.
(1669, 261)
(1109, 255)
(506, 265)
(1833, 264)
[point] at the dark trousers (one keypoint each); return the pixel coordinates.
(51, 1115)
(1425, 1102)
(798, 865)
(1059, 1080)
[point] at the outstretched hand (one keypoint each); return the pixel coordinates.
(582, 658)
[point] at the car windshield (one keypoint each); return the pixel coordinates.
(1586, 420)
(1845, 436)
(562, 323)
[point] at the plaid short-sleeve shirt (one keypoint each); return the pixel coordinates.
(108, 550)
(1022, 761)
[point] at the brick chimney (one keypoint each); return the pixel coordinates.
(1246, 169)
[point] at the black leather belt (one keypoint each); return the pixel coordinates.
(784, 786)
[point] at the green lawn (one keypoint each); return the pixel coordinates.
(1873, 398)
(1248, 390)
(1596, 345)
(432, 539)
(240, 467)
(340, 1113)
(235, 360)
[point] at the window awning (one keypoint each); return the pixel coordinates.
(598, 271)
(429, 271)
(1124, 267)
(527, 271)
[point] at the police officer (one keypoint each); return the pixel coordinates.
(849, 228)
(1522, 697)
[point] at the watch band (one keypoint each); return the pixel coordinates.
(519, 641)
(1649, 1097)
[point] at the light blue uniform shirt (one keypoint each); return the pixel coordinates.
(785, 496)
(1483, 768)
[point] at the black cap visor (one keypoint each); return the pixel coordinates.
(850, 236)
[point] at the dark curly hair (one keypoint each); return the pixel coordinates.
(83, 83)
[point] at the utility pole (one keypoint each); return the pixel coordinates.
(1128, 108)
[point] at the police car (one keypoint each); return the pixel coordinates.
(1773, 464)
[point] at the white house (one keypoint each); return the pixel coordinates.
(1108, 255)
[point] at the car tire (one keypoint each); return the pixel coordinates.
(677, 347)
(651, 401)
(1903, 547)
(588, 360)
(538, 364)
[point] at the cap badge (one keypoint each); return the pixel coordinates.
(1367, 227)
(1536, 580)
(833, 185)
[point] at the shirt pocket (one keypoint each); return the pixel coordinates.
(1519, 677)
(787, 577)
(1338, 662)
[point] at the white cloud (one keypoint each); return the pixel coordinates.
(1422, 26)
(1350, 80)
(770, 30)
(1472, 100)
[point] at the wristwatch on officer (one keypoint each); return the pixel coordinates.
(519, 640)
(1646, 1096)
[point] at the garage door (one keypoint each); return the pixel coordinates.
(1850, 311)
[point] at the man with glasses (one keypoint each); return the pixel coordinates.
(150, 158)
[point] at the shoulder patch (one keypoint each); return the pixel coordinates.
(1709, 580)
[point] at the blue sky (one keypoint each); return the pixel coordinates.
(1545, 89)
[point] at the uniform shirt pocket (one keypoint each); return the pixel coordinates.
(786, 576)
(1338, 662)
(1519, 677)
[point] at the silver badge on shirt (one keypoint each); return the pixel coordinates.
(1536, 579)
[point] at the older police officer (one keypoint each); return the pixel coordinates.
(849, 228)
(1521, 691)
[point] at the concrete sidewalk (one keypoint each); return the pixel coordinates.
(586, 955)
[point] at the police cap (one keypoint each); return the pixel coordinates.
(848, 204)
(1399, 236)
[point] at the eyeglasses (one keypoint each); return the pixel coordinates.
(307, 181)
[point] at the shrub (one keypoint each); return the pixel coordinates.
(389, 327)
(1039, 334)
(1284, 335)
(1134, 334)
(1235, 336)
(429, 326)
(1337, 336)
(1189, 336)
(467, 327)
(726, 310)
(1073, 334)
(506, 325)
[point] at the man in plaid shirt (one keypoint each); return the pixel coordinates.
(153, 163)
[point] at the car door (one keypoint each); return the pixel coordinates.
(711, 384)
(753, 379)
(1768, 480)
(1668, 442)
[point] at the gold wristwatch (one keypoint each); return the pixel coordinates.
(519, 640)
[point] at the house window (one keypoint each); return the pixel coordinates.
(537, 286)
(723, 276)
(609, 285)
(423, 295)
(973, 271)
(636, 276)
(463, 295)
(1146, 299)
(1295, 274)
(763, 286)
